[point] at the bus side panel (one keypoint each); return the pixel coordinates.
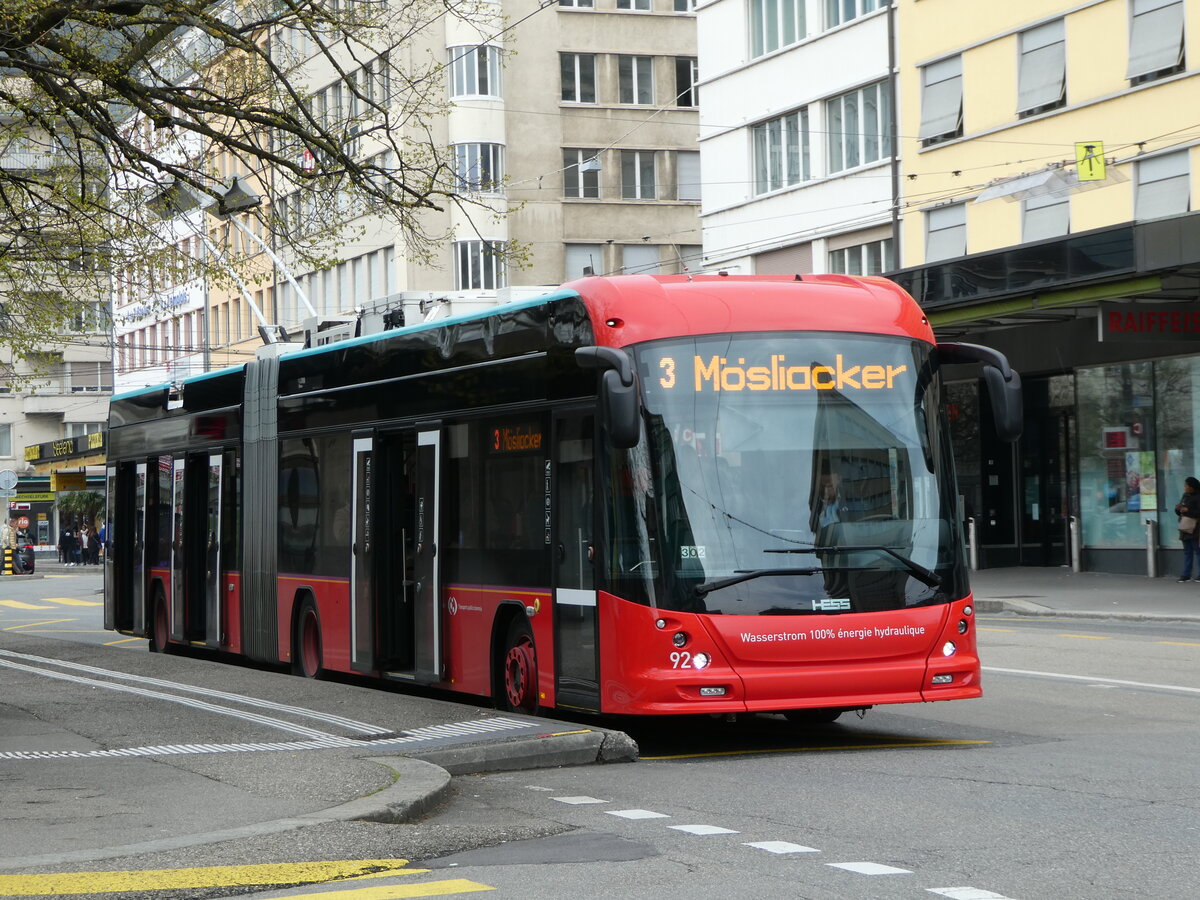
(471, 610)
(332, 596)
(232, 616)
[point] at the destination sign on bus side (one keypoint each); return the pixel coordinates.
(717, 373)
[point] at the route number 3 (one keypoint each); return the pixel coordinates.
(668, 366)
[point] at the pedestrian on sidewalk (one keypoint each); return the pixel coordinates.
(1188, 510)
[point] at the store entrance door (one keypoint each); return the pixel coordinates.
(1045, 497)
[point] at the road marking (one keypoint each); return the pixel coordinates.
(892, 746)
(400, 891)
(781, 847)
(132, 640)
(17, 604)
(967, 893)
(578, 801)
(67, 883)
(870, 868)
(636, 814)
(1140, 684)
(38, 624)
(989, 628)
(1178, 644)
(71, 601)
(1088, 637)
(703, 829)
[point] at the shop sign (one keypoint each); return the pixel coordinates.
(1127, 322)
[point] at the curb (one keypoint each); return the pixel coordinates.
(1029, 608)
(564, 748)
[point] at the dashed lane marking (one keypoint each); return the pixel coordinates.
(65, 884)
(1178, 643)
(1088, 637)
(1095, 678)
(703, 830)
(967, 893)
(578, 801)
(869, 868)
(781, 847)
(636, 814)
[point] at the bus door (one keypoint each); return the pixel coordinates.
(395, 570)
(122, 581)
(572, 489)
(426, 589)
(363, 476)
(216, 561)
(136, 550)
(189, 542)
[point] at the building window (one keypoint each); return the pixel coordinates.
(642, 5)
(781, 156)
(640, 259)
(946, 232)
(479, 265)
(1155, 39)
(687, 174)
(1043, 77)
(1045, 217)
(941, 101)
(859, 125)
(686, 93)
(6, 440)
(635, 80)
(775, 24)
(637, 175)
(89, 376)
(583, 259)
(1163, 187)
(578, 77)
(685, 5)
(79, 429)
(839, 11)
(577, 4)
(478, 167)
(581, 174)
(475, 71)
(873, 258)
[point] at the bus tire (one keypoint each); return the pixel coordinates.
(306, 647)
(160, 626)
(520, 676)
(813, 716)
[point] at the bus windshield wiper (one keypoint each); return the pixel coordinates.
(918, 571)
(746, 575)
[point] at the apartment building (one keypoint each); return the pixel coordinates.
(570, 132)
(1049, 168)
(797, 135)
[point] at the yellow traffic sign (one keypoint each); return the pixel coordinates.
(1089, 160)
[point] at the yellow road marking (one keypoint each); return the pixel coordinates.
(123, 641)
(67, 883)
(17, 604)
(1088, 637)
(1178, 644)
(398, 891)
(986, 628)
(72, 601)
(37, 624)
(814, 749)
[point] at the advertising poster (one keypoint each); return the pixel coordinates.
(1141, 483)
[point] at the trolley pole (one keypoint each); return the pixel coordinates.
(1152, 548)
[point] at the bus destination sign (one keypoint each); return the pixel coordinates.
(717, 373)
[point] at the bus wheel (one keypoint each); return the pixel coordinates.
(160, 631)
(306, 649)
(813, 716)
(520, 669)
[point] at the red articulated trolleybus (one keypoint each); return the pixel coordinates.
(632, 495)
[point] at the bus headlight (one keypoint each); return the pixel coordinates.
(949, 649)
(700, 661)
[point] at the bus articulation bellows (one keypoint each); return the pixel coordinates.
(632, 495)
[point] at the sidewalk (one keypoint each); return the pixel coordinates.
(1058, 591)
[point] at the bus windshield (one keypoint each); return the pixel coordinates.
(786, 474)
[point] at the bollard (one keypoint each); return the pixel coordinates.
(973, 543)
(1152, 548)
(8, 562)
(1076, 548)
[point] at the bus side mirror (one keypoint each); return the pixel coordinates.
(1004, 385)
(618, 393)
